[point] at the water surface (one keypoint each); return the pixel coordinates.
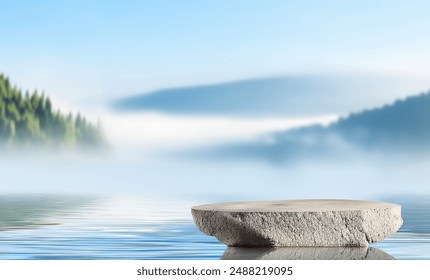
(72, 227)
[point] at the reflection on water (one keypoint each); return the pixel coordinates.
(53, 227)
(24, 212)
(306, 253)
(102, 228)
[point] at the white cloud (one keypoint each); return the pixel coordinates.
(159, 132)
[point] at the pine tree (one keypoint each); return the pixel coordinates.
(29, 119)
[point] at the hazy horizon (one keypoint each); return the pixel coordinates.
(84, 51)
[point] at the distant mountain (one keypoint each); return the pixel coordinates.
(278, 96)
(402, 127)
(404, 124)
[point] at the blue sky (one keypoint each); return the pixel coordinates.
(100, 49)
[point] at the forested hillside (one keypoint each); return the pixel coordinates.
(29, 119)
(402, 127)
(403, 124)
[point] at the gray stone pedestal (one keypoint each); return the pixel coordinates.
(299, 223)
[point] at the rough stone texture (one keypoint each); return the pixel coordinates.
(298, 223)
(305, 253)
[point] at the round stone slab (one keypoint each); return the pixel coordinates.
(299, 223)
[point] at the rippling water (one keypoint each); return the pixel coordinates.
(54, 227)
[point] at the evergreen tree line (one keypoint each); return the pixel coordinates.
(30, 120)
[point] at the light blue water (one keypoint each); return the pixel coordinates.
(58, 227)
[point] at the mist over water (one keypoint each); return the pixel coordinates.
(133, 199)
(112, 205)
(351, 177)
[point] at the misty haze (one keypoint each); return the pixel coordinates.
(115, 119)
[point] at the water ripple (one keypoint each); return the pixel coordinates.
(138, 229)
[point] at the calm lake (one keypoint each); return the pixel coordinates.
(74, 227)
